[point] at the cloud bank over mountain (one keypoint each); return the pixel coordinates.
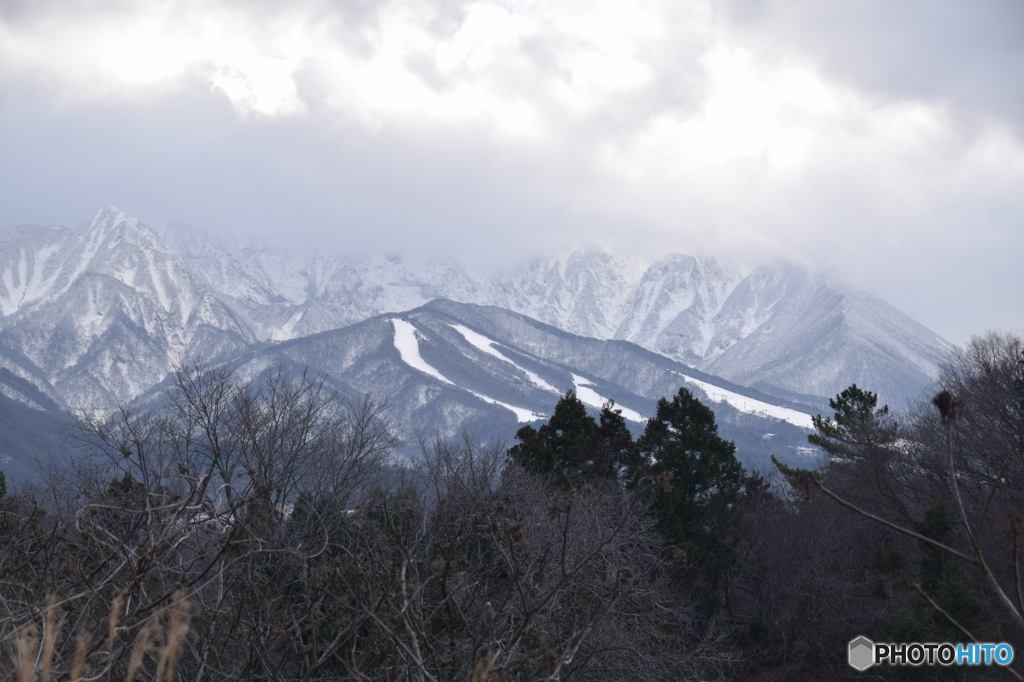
(882, 146)
(98, 316)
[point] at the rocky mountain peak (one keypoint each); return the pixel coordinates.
(67, 296)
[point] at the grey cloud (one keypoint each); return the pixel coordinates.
(953, 265)
(968, 55)
(278, 180)
(445, 17)
(425, 67)
(942, 248)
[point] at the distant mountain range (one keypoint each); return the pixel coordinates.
(778, 328)
(450, 366)
(100, 314)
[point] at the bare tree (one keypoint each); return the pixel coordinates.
(268, 521)
(956, 470)
(187, 506)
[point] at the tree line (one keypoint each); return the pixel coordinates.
(263, 530)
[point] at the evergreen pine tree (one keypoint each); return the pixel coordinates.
(697, 469)
(573, 447)
(612, 446)
(863, 464)
(856, 427)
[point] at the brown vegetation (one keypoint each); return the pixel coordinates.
(261, 531)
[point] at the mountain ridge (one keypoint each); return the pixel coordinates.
(103, 311)
(698, 311)
(446, 367)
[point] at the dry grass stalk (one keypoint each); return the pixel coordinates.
(483, 668)
(115, 615)
(52, 627)
(27, 641)
(143, 645)
(81, 651)
(177, 628)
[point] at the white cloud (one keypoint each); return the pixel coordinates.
(113, 51)
(855, 140)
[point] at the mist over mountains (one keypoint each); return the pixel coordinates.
(101, 313)
(777, 327)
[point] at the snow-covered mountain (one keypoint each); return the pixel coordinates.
(799, 333)
(448, 366)
(103, 311)
(779, 327)
(286, 293)
(100, 313)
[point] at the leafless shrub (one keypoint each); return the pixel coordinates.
(259, 531)
(937, 497)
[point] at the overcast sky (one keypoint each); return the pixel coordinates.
(881, 142)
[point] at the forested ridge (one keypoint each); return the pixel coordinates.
(262, 530)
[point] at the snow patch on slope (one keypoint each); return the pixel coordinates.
(408, 346)
(522, 414)
(285, 332)
(19, 397)
(486, 345)
(589, 396)
(750, 405)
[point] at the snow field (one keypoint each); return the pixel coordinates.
(750, 405)
(589, 396)
(408, 346)
(486, 345)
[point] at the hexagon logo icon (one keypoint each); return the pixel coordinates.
(862, 653)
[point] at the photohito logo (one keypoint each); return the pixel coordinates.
(863, 653)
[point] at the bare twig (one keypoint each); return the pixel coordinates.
(888, 524)
(955, 623)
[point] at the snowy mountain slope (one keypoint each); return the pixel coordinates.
(291, 293)
(104, 310)
(816, 339)
(582, 293)
(20, 369)
(775, 325)
(675, 309)
(614, 363)
(427, 388)
(448, 366)
(100, 313)
(267, 290)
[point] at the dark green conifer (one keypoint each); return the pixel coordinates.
(573, 447)
(696, 469)
(856, 427)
